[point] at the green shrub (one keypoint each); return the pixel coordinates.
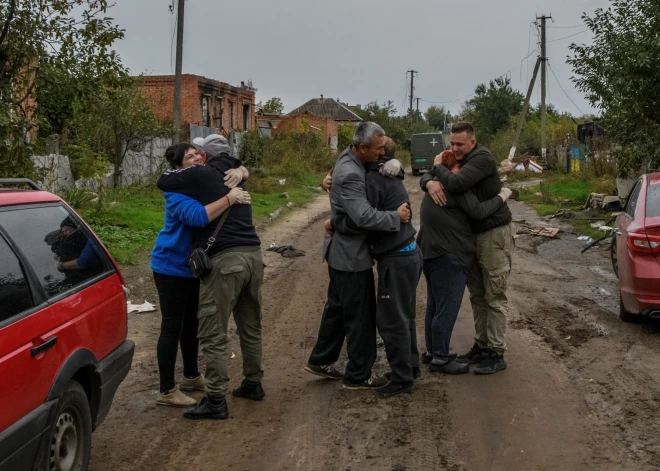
(85, 163)
(78, 197)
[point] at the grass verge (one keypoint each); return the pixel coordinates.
(127, 220)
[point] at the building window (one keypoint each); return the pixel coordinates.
(206, 121)
(246, 117)
(231, 115)
(218, 112)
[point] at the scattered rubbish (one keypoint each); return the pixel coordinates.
(282, 181)
(529, 165)
(518, 221)
(233, 355)
(542, 231)
(146, 307)
(286, 195)
(558, 214)
(591, 242)
(291, 204)
(288, 251)
(569, 337)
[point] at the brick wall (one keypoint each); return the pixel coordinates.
(220, 100)
(327, 128)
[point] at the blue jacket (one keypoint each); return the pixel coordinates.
(174, 242)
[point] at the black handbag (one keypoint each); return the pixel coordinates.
(199, 260)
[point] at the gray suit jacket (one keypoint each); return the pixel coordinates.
(348, 196)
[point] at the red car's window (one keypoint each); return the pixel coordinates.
(632, 200)
(15, 294)
(653, 200)
(58, 249)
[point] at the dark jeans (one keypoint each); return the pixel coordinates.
(179, 298)
(350, 312)
(445, 281)
(398, 276)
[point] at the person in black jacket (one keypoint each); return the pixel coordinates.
(399, 269)
(487, 279)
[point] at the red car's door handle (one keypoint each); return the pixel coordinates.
(34, 351)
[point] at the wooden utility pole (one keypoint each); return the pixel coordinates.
(544, 61)
(521, 121)
(417, 111)
(178, 71)
(412, 91)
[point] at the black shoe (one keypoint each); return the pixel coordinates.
(393, 389)
(249, 391)
(449, 367)
(426, 358)
(471, 357)
(326, 371)
(216, 410)
(492, 363)
(417, 373)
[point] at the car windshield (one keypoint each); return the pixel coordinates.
(653, 200)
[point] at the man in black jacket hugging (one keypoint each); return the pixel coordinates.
(399, 269)
(487, 280)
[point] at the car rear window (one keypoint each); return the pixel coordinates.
(48, 235)
(653, 200)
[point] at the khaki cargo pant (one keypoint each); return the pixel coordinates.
(233, 285)
(487, 283)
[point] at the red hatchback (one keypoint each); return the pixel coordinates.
(636, 250)
(63, 327)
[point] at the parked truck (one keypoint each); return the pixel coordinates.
(423, 149)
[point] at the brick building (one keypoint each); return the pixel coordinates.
(204, 102)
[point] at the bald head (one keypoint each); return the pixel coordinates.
(390, 147)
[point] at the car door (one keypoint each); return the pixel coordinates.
(623, 226)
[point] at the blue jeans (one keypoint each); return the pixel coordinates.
(445, 285)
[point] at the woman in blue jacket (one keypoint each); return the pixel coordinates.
(178, 290)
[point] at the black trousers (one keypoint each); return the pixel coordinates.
(350, 312)
(398, 276)
(179, 298)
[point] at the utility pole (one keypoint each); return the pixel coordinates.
(178, 71)
(544, 61)
(521, 121)
(412, 91)
(417, 112)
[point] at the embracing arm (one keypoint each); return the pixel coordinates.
(352, 194)
(470, 205)
(478, 168)
(343, 223)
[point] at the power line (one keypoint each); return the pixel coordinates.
(562, 89)
(566, 37)
(565, 27)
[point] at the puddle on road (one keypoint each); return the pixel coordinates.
(590, 289)
(606, 273)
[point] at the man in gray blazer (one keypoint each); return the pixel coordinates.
(350, 310)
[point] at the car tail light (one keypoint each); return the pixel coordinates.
(644, 243)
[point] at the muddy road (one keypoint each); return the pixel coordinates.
(581, 392)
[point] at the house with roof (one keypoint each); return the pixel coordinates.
(321, 115)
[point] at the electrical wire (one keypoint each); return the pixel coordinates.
(566, 37)
(566, 27)
(562, 89)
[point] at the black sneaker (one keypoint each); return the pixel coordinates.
(471, 357)
(426, 358)
(249, 391)
(417, 373)
(394, 389)
(491, 364)
(374, 382)
(449, 367)
(216, 410)
(326, 371)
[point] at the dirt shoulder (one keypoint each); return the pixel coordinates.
(581, 391)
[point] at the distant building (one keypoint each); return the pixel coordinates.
(267, 123)
(327, 108)
(204, 102)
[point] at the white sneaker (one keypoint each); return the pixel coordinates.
(175, 399)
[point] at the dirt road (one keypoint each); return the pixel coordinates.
(582, 391)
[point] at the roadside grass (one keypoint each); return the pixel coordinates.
(127, 220)
(568, 193)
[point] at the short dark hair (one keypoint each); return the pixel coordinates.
(390, 147)
(463, 126)
(174, 154)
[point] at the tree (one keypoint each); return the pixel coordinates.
(273, 106)
(37, 37)
(437, 117)
(492, 107)
(345, 135)
(398, 128)
(114, 121)
(620, 75)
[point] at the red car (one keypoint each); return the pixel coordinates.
(636, 250)
(63, 326)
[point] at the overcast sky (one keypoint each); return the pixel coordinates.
(358, 50)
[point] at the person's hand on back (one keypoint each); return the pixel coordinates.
(328, 227)
(404, 213)
(390, 169)
(327, 182)
(437, 192)
(239, 196)
(505, 167)
(439, 158)
(233, 177)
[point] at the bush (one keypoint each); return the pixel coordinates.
(85, 163)
(78, 197)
